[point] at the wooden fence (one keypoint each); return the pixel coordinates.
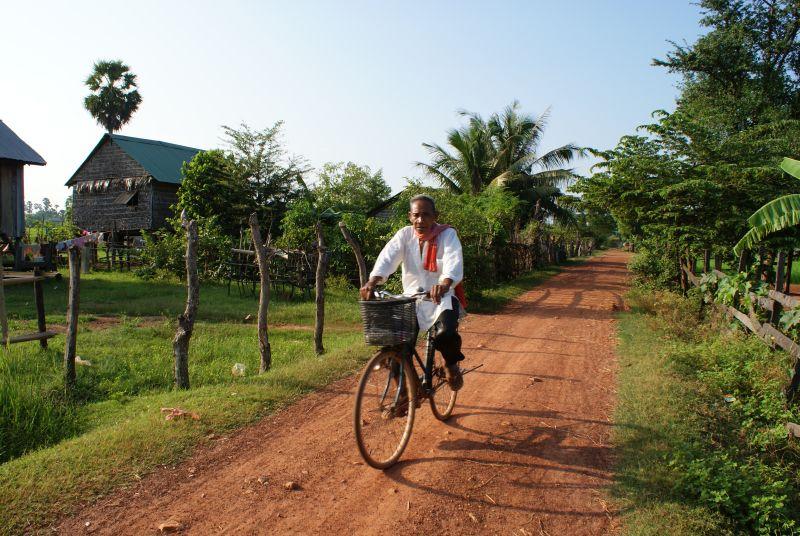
(774, 304)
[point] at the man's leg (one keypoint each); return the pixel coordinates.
(447, 341)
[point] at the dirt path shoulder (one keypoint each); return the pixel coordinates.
(526, 451)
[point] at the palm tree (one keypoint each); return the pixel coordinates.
(470, 168)
(114, 96)
(779, 214)
(503, 152)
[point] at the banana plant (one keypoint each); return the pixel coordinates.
(780, 213)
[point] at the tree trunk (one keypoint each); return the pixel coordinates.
(362, 265)
(72, 318)
(263, 297)
(320, 288)
(180, 344)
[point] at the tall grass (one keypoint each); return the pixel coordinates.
(33, 408)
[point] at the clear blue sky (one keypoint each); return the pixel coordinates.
(361, 81)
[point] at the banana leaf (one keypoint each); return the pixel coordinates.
(775, 216)
(791, 166)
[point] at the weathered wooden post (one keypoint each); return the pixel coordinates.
(3, 317)
(362, 265)
(263, 297)
(85, 257)
(744, 260)
(685, 275)
(706, 261)
(72, 317)
(180, 344)
(787, 287)
(779, 275)
(320, 289)
(38, 294)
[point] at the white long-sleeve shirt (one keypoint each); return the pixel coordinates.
(403, 249)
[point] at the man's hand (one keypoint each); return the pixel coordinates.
(369, 287)
(437, 291)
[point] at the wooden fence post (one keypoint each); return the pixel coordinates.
(787, 288)
(362, 265)
(3, 317)
(775, 316)
(85, 258)
(263, 297)
(38, 294)
(180, 344)
(706, 261)
(744, 260)
(72, 317)
(320, 290)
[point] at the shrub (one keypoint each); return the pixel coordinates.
(654, 267)
(164, 251)
(738, 459)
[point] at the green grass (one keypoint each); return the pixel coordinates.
(688, 461)
(68, 451)
(121, 293)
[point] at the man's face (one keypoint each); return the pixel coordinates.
(422, 216)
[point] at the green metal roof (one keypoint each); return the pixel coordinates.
(163, 161)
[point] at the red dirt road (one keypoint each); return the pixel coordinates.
(526, 452)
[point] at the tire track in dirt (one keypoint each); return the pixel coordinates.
(526, 451)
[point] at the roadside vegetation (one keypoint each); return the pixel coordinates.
(701, 425)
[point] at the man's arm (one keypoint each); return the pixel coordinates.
(386, 264)
(452, 266)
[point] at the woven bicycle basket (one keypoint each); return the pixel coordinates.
(389, 322)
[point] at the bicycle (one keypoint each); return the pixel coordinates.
(391, 389)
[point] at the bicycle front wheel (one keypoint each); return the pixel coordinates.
(383, 417)
(443, 398)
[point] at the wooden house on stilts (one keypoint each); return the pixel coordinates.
(127, 184)
(14, 154)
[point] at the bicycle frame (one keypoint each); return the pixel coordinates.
(425, 387)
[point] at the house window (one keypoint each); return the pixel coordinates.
(130, 199)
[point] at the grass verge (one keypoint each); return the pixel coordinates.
(700, 426)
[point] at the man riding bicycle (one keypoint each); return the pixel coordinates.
(432, 259)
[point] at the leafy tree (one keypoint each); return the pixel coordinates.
(350, 187)
(114, 94)
(686, 180)
(262, 163)
(342, 192)
(211, 187)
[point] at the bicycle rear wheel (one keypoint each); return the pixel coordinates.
(383, 417)
(443, 398)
